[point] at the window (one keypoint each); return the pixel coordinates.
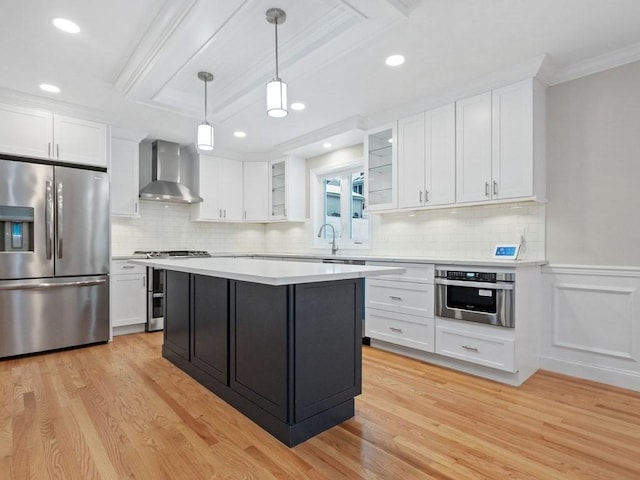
(338, 200)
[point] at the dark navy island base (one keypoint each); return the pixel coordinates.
(288, 357)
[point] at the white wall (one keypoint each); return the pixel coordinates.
(591, 318)
(593, 169)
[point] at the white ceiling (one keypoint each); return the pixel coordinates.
(134, 64)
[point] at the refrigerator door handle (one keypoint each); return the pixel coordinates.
(60, 220)
(44, 285)
(49, 218)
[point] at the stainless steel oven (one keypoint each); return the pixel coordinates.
(155, 284)
(155, 299)
(483, 297)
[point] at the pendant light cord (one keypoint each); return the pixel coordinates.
(205, 99)
(276, 23)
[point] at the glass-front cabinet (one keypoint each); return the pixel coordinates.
(278, 190)
(380, 171)
(287, 189)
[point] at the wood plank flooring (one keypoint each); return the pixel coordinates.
(121, 411)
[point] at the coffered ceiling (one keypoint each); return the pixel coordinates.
(134, 64)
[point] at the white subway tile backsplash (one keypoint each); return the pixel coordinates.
(469, 232)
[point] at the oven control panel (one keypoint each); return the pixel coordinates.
(471, 276)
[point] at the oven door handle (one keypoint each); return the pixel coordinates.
(485, 285)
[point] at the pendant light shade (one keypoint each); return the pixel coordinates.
(205, 129)
(205, 136)
(276, 88)
(277, 98)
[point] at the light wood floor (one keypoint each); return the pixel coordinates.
(121, 411)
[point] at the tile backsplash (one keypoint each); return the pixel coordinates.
(455, 233)
(169, 227)
(465, 232)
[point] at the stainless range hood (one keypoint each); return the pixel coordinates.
(165, 183)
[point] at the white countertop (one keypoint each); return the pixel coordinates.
(267, 271)
(479, 262)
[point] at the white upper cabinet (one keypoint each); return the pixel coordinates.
(411, 161)
(473, 148)
(287, 189)
(36, 133)
(500, 144)
(256, 191)
(25, 132)
(231, 190)
(380, 169)
(512, 162)
(219, 183)
(426, 158)
(124, 172)
(80, 141)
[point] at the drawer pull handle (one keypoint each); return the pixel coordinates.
(395, 329)
(128, 267)
(395, 297)
(471, 349)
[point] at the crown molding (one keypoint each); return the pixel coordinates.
(165, 23)
(337, 128)
(26, 100)
(405, 7)
(597, 64)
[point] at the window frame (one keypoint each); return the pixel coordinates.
(317, 205)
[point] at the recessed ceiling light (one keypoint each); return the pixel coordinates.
(297, 106)
(49, 88)
(326, 145)
(394, 60)
(239, 134)
(390, 140)
(66, 25)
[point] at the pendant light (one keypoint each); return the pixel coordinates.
(276, 88)
(205, 130)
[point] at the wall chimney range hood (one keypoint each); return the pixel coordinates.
(165, 183)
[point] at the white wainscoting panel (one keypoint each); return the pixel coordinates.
(592, 323)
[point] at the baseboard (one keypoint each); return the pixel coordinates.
(595, 373)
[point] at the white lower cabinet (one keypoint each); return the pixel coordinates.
(398, 296)
(399, 308)
(408, 330)
(128, 294)
(400, 312)
(490, 346)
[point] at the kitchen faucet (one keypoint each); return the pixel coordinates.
(334, 249)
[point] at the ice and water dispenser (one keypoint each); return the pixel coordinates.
(16, 229)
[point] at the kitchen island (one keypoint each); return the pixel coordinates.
(279, 341)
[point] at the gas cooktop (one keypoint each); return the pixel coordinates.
(173, 253)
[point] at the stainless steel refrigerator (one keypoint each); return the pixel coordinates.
(54, 256)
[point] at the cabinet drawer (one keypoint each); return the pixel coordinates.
(414, 272)
(401, 297)
(123, 266)
(494, 352)
(400, 329)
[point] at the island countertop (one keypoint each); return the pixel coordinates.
(267, 272)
